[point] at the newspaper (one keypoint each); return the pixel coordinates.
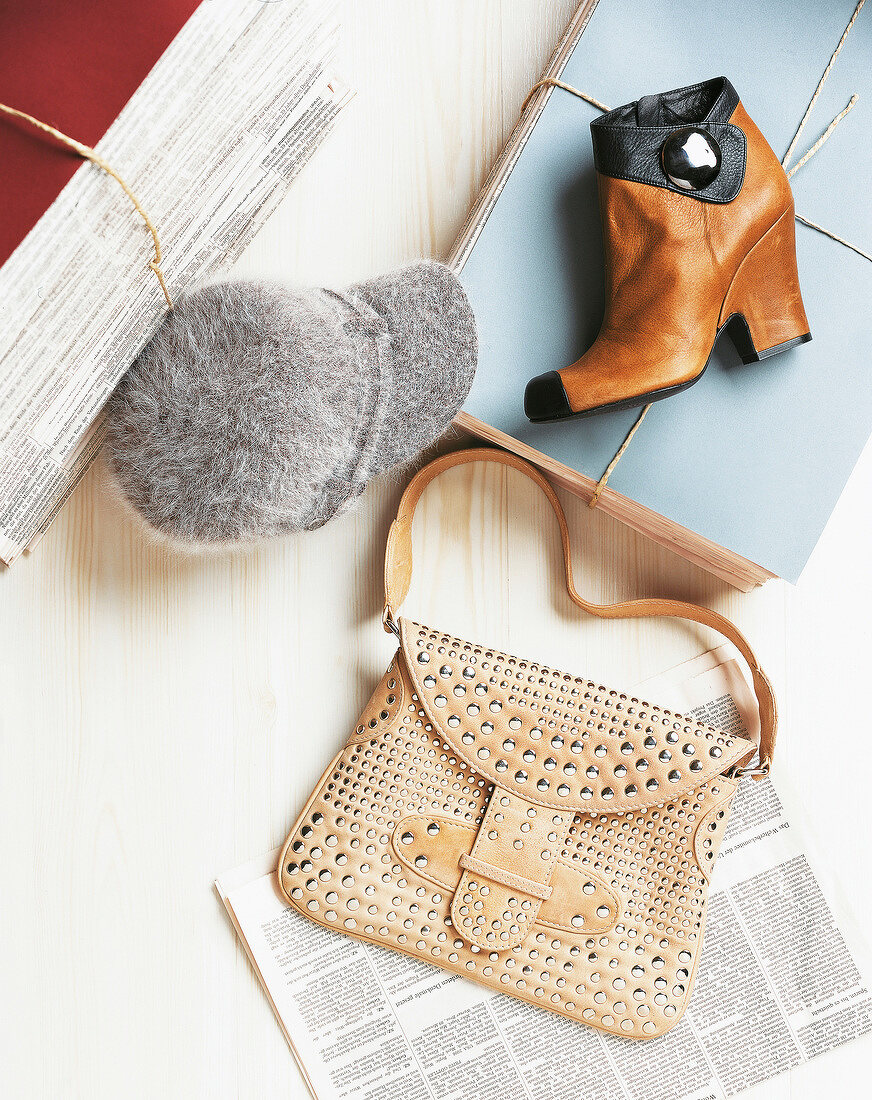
(777, 984)
(209, 143)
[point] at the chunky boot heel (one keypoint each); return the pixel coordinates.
(763, 312)
(698, 237)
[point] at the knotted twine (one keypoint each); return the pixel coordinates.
(90, 154)
(785, 163)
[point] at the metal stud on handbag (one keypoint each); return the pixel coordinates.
(529, 829)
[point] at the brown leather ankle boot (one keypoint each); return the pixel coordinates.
(698, 230)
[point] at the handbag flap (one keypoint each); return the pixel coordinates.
(554, 739)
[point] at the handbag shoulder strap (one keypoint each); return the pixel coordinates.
(398, 576)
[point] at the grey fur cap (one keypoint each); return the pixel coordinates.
(257, 409)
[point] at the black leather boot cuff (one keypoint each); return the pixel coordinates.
(680, 140)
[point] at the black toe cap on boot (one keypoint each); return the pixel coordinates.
(545, 398)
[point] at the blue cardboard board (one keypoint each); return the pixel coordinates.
(752, 457)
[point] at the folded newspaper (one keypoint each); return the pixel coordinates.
(209, 143)
(777, 983)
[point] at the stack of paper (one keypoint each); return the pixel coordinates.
(209, 143)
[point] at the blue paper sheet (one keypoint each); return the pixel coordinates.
(752, 457)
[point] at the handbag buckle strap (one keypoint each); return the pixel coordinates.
(507, 875)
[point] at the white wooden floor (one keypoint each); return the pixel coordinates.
(162, 718)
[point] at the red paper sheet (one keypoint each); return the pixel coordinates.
(73, 65)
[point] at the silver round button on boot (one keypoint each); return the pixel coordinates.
(691, 158)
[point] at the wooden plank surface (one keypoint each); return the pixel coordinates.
(162, 718)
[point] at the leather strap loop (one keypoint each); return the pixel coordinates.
(398, 577)
(505, 878)
(507, 875)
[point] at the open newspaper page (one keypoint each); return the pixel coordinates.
(209, 143)
(777, 984)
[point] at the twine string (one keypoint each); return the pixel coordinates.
(852, 102)
(619, 454)
(90, 154)
(833, 236)
(550, 81)
(825, 136)
(824, 76)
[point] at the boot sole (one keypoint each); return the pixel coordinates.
(735, 326)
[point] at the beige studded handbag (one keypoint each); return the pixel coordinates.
(530, 829)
